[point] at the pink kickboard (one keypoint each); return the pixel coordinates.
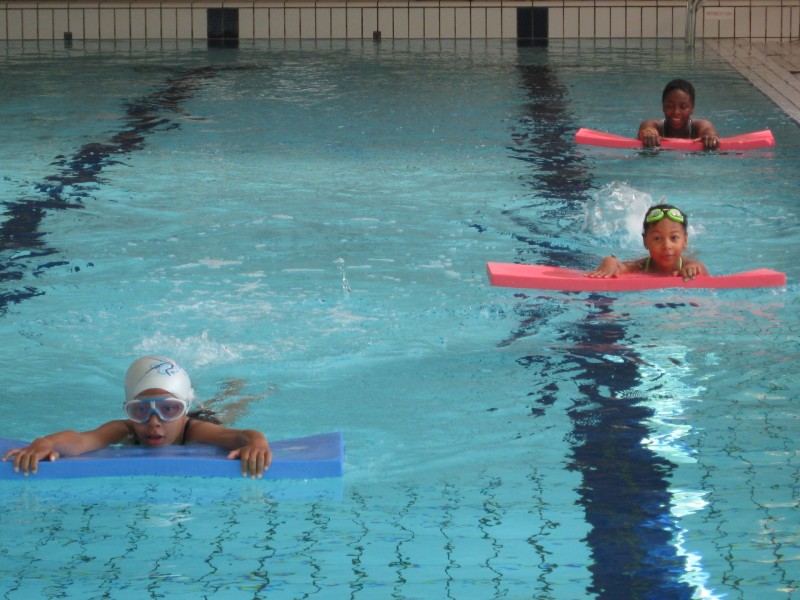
(746, 141)
(569, 280)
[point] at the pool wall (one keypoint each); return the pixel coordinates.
(766, 20)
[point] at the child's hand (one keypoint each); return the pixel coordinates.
(608, 268)
(691, 270)
(27, 459)
(255, 456)
(710, 142)
(649, 137)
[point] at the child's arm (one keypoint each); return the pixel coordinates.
(691, 269)
(611, 266)
(248, 445)
(68, 443)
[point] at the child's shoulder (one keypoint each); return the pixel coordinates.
(639, 264)
(119, 431)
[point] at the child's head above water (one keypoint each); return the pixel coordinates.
(678, 84)
(664, 211)
(665, 237)
(158, 394)
(157, 385)
(157, 373)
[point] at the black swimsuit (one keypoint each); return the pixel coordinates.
(185, 433)
(664, 128)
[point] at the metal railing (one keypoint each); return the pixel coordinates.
(692, 6)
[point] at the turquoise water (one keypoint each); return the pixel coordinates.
(308, 225)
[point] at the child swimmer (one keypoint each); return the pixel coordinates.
(665, 236)
(677, 102)
(158, 395)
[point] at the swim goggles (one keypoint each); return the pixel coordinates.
(167, 408)
(659, 213)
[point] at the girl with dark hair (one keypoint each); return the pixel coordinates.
(677, 102)
(665, 236)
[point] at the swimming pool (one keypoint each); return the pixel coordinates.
(311, 222)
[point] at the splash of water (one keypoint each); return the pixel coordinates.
(615, 215)
(340, 266)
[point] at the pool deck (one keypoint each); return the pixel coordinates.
(773, 67)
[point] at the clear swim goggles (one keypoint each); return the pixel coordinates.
(659, 213)
(166, 408)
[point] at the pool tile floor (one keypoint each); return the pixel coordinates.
(773, 67)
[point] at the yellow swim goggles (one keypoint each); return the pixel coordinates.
(659, 213)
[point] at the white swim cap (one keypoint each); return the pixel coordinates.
(157, 372)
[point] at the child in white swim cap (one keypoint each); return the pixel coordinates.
(158, 395)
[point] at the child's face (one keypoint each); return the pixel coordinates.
(665, 240)
(678, 108)
(155, 432)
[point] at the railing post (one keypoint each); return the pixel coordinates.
(692, 6)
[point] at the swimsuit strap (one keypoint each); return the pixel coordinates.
(185, 433)
(647, 264)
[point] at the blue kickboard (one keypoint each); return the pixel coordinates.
(309, 457)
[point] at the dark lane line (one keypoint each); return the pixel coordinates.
(22, 241)
(624, 490)
(559, 180)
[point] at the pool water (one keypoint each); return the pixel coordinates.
(308, 224)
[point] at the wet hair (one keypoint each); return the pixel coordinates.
(205, 414)
(678, 84)
(664, 207)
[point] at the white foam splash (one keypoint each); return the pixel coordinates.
(615, 215)
(192, 351)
